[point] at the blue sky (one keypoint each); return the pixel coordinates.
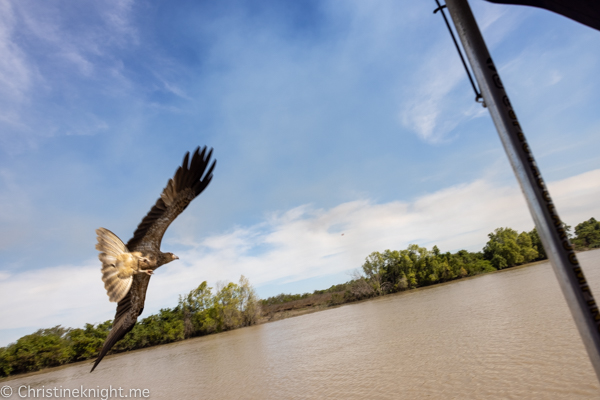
(326, 117)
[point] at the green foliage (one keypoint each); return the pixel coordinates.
(87, 342)
(5, 362)
(587, 234)
(42, 349)
(336, 298)
(334, 288)
(249, 302)
(284, 298)
(227, 307)
(198, 313)
(374, 270)
(536, 243)
(164, 327)
(397, 270)
(232, 306)
(528, 252)
(507, 248)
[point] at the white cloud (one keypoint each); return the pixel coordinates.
(117, 14)
(300, 243)
(427, 109)
(431, 109)
(66, 295)
(46, 54)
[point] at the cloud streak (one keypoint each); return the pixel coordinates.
(47, 52)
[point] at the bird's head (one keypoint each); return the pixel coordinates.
(168, 257)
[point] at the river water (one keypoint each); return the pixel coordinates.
(506, 335)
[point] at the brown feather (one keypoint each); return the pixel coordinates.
(188, 183)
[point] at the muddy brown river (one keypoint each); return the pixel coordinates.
(506, 335)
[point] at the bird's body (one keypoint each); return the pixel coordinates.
(129, 264)
(133, 264)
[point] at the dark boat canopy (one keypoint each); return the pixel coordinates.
(586, 12)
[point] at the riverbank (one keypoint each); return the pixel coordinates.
(506, 335)
(291, 310)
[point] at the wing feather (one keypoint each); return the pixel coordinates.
(190, 179)
(128, 311)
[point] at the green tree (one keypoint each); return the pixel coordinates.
(198, 312)
(374, 269)
(527, 250)
(249, 303)
(42, 349)
(165, 327)
(502, 249)
(587, 234)
(227, 306)
(87, 342)
(472, 263)
(391, 271)
(6, 362)
(536, 243)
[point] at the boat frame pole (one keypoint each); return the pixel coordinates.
(549, 226)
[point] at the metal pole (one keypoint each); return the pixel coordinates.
(549, 226)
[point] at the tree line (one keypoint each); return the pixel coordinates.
(393, 271)
(202, 312)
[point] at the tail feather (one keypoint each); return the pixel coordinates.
(112, 247)
(116, 287)
(109, 247)
(106, 259)
(109, 243)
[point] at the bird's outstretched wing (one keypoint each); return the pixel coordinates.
(128, 310)
(189, 181)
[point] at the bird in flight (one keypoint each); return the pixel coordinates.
(126, 268)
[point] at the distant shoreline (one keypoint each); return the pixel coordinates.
(278, 316)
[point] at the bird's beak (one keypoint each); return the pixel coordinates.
(175, 257)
